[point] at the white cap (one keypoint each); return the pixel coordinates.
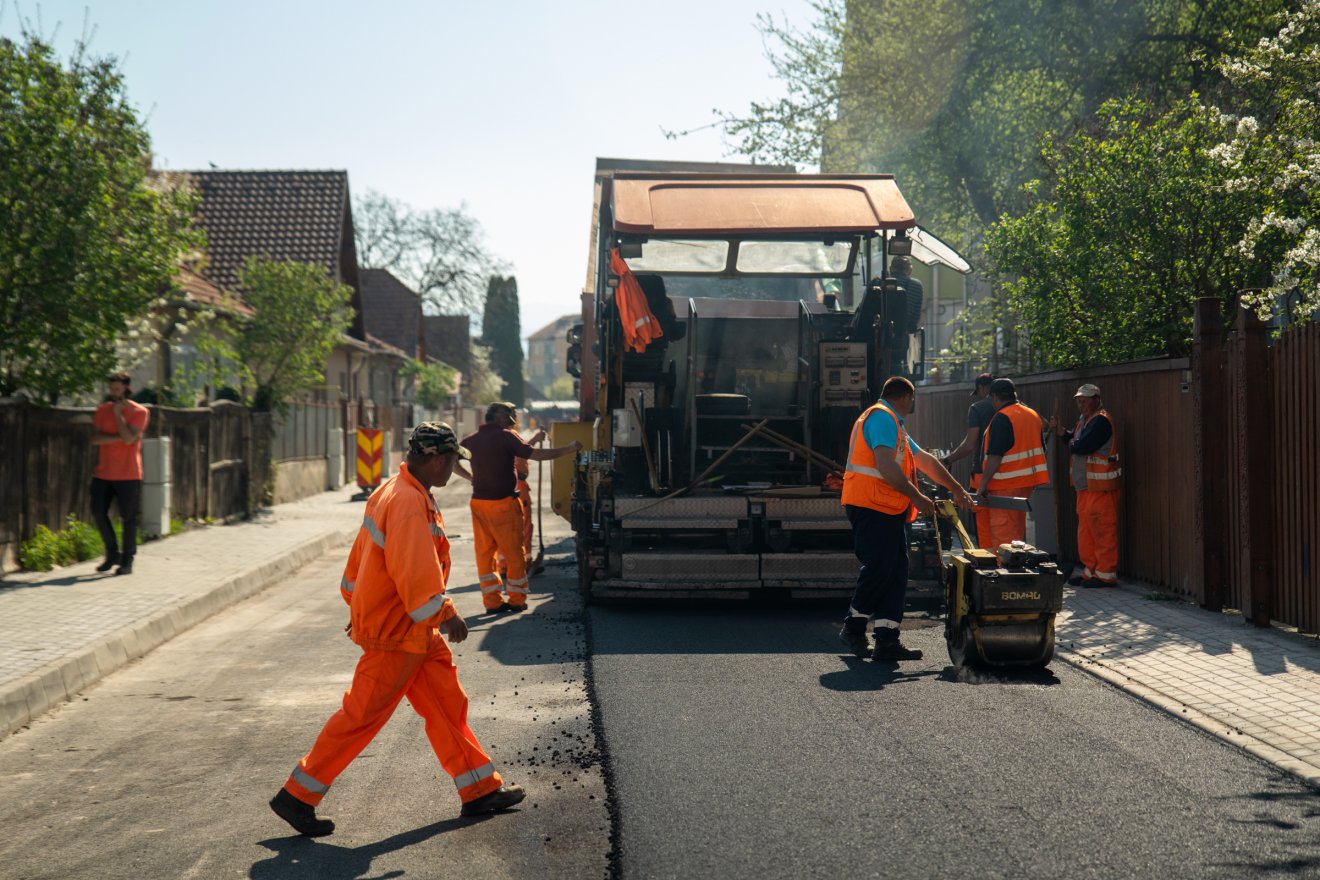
(1088, 390)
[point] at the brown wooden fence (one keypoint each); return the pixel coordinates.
(1221, 464)
(1150, 403)
(47, 458)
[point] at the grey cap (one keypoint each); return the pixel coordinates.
(1088, 390)
(433, 438)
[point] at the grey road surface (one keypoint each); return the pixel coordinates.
(163, 770)
(744, 744)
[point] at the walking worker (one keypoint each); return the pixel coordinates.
(1014, 462)
(979, 415)
(497, 511)
(880, 497)
(119, 424)
(1094, 470)
(394, 584)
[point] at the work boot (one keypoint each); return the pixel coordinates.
(1076, 580)
(856, 640)
(125, 567)
(1096, 583)
(508, 795)
(300, 815)
(110, 562)
(893, 649)
(514, 609)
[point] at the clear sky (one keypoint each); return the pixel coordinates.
(501, 107)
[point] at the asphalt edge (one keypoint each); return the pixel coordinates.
(1219, 729)
(25, 699)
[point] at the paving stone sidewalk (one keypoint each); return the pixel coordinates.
(63, 630)
(1256, 688)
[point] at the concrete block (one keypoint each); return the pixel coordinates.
(155, 509)
(156, 460)
(334, 469)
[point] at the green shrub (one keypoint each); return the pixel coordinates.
(47, 549)
(41, 551)
(84, 539)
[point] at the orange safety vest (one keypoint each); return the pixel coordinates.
(640, 326)
(1101, 469)
(394, 582)
(863, 486)
(1023, 466)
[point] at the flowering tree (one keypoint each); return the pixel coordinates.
(1274, 154)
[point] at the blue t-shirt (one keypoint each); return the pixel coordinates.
(880, 430)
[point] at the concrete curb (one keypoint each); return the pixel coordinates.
(27, 698)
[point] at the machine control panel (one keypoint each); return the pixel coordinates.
(842, 373)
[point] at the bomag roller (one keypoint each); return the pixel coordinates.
(1000, 605)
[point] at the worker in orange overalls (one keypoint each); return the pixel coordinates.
(522, 467)
(394, 584)
(1094, 471)
(1014, 462)
(497, 511)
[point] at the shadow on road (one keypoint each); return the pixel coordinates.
(298, 857)
(863, 675)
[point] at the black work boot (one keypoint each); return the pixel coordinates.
(855, 638)
(111, 560)
(507, 795)
(302, 816)
(892, 649)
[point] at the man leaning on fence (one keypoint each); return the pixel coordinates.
(118, 425)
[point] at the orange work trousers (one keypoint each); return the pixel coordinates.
(1003, 526)
(525, 496)
(1097, 534)
(497, 529)
(982, 516)
(382, 678)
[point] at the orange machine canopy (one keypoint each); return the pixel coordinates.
(756, 204)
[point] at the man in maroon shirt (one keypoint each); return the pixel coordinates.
(497, 512)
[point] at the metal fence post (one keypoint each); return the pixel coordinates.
(1210, 457)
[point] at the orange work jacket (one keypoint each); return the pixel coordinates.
(863, 486)
(394, 582)
(1023, 466)
(640, 325)
(1101, 469)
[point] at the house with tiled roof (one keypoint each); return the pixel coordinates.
(547, 353)
(392, 311)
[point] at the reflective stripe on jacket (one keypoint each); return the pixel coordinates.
(1100, 470)
(1024, 465)
(394, 582)
(863, 486)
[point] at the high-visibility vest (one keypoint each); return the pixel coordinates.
(1099, 471)
(862, 484)
(1023, 466)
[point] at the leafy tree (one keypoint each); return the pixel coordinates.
(301, 313)
(1131, 225)
(1273, 160)
(436, 382)
(482, 385)
(88, 238)
(953, 96)
(561, 389)
(502, 332)
(440, 253)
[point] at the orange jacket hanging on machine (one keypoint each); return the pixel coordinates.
(394, 582)
(640, 325)
(1023, 466)
(863, 486)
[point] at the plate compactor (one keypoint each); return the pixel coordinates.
(1000, 605)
